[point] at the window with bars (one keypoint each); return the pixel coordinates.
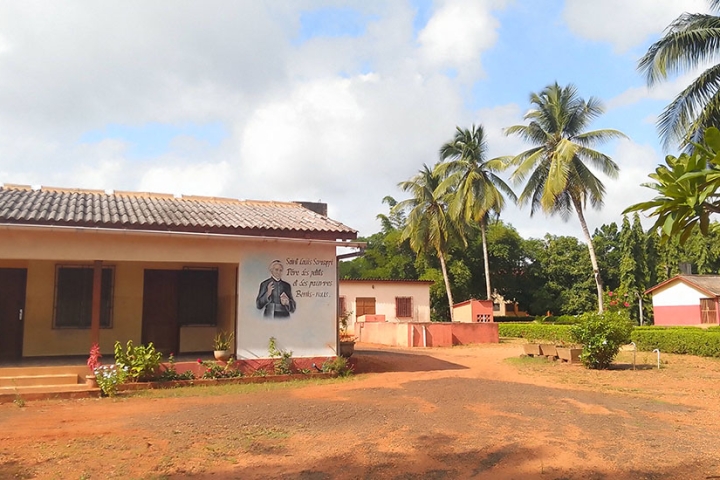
(73, 296)
(403, 307)
(365, 306)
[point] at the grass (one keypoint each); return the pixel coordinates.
(228, 389)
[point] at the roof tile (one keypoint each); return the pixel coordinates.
(128, 210)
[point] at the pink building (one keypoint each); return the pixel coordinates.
(686, 300)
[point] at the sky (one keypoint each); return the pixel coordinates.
(322, 100)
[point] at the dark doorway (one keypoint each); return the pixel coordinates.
(12, 312)
(160, 310)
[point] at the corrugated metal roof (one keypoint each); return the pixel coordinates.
(145, 211)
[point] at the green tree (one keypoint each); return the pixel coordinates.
(687, 188)
(566, 285)
(428, 224)
(558, 178)
(692, 40)
(606, 241)
(477, 189)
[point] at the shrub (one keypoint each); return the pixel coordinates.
(283, 358)
(142, 361)
(536, 331)
(170, 373)
(602, 335)
(109, 378)
(338, 365)
(682, 340)
(216, 370)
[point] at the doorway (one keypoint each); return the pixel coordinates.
(12, 312)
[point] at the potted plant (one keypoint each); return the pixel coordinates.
(223, 345)
(347, 340)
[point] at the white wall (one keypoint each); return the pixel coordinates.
(677, 294)
(384, 293)
(309, 331)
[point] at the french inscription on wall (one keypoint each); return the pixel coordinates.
(311, 277)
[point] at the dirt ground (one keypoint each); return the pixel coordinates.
(468, 412)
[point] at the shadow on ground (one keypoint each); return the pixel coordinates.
(368, 360)
(437, 461)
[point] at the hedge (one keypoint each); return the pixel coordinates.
(682, 340)
(536, 331)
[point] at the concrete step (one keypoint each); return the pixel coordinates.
(78, 387)
(63, 379)
(80, 370)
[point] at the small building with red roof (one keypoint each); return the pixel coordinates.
(687, 300)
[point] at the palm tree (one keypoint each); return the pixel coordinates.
(690, 41)
(558, 179)
(428, 224)
(477, 190)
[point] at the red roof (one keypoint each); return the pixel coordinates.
(145, 211)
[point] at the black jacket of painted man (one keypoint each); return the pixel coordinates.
(275, 295)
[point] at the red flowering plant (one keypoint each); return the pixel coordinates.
(616, 301)
(94, 359)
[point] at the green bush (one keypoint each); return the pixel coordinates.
(601, 335)
(682, 340)
(536, 331)
(142, 361)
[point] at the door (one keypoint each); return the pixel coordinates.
(160, 310)
(708, 313)
(12, 312)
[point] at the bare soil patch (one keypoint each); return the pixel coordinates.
(468, 412)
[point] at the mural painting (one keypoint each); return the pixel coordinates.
(295, 303)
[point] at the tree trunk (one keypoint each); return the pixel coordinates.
(447, 284)
(591, 249)
(485, 258)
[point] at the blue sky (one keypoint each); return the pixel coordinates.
(313, 100)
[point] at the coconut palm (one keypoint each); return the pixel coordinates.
(556, 168)
(690, 41)
(428, 224)
(477, 190)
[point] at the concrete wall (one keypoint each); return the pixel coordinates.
(472, 311)
(408, 334)
(677, 303)
(384, 293)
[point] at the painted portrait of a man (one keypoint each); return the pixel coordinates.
(275, 295)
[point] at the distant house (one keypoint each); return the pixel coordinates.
(686, 300)
(473, 311)
(506, 308)
(79, 266)
(385, 300)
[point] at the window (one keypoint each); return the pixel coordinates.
(365, 306)
(496, 307)
(197, 296)
(403, 307)
(73, 297)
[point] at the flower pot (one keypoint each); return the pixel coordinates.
(569, 355)
(223, 355)
(346, 349)
(91, 381)
(548, 349)
(532, 349)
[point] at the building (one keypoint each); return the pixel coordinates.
(80, 266)
(686, 300)
(385, 300)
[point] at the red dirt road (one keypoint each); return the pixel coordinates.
(436, 413)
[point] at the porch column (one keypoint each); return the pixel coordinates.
(96, 296)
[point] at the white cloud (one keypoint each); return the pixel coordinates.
(625, 24)
(197, 179)
(456, 35)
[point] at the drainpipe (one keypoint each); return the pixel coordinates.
(424, 336)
